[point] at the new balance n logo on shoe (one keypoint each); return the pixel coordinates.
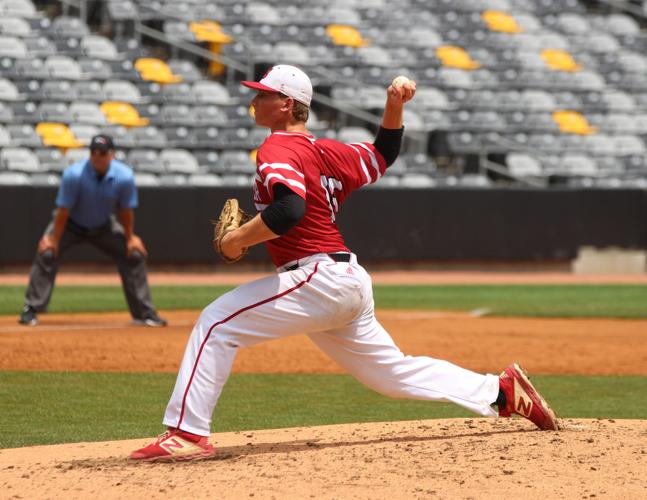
(522, 406)
(172, 443)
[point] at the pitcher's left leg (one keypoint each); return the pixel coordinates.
(367, 351)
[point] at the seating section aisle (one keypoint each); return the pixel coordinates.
(546, 91)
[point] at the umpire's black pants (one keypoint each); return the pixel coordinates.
(110, 239)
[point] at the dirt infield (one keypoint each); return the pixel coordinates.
(107, 342)
(456, 458)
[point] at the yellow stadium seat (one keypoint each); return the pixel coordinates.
(342, 34)
(252, 155)
(560, 60)
(156, 70)
(122, 113)
(500, 21)
(572, 122)
(57, 135)
(209, 31)
(456, 57)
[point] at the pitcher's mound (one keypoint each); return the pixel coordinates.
(456, 458)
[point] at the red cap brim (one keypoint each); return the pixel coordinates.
(258, 86)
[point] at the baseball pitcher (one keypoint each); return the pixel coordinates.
(320, 289)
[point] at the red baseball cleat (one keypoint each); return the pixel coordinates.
(175, 445)
(523, 399)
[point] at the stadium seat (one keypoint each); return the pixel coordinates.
(149, 137)
(14, 179)
(122, 91)
(19, 159)
(156, 70)
(51, 159)
(95, 69)
(209, 92)
(44, 179)
(53, 112)
(15, 26)
(204, 180)
(143, 179)
(99, 47)
(13, 47)
(145, 160)
(17, 8)
(58, 90)
(24, 135)
(63, 67)
(68, 27)
(122, 113)
(57, 135)
(523, 165)
(8, 91)
(84, 133)
(74, 155)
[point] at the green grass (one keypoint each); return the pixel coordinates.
(617, 301)
(48, 408)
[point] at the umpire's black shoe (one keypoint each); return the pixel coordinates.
(152, 319)
(28, 316)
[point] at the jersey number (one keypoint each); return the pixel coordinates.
(330, 185)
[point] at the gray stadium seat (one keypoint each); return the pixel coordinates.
(8, 91)
(44, 179)
(40, 47)
(54, 112)
(145, 160)
(205, 180)
(14, 47)
(24, 135)
(84, 132)
(149, 137)
(209, 92)
(74, 155)
(63, 67)
(95, 69)
(178, 161)
(68, 27)
(523, 165)
(14, 26)
(99, 47)
(18, 8)
(144, 179)
(173, 180)
(122, 90)
(186, 69)
(14, 179)
(19, 159)
(58, 90)
(89, 91)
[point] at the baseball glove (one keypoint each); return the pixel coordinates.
(231, 218)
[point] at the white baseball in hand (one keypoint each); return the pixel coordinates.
(399, 81)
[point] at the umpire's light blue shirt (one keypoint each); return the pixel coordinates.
(91, 200)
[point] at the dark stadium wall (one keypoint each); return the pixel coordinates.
(381, 225)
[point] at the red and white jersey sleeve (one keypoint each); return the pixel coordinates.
(276, 164)
(356, 164)
(323, 172)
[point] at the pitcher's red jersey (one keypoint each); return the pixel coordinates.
(323, 172)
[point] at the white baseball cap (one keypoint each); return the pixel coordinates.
(287, 80)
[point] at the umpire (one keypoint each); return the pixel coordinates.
(89, 193)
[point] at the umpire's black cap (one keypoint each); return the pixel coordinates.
(102, 142)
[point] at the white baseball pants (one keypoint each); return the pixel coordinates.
(331, 302)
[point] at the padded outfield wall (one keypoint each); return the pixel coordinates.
(381, 225)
